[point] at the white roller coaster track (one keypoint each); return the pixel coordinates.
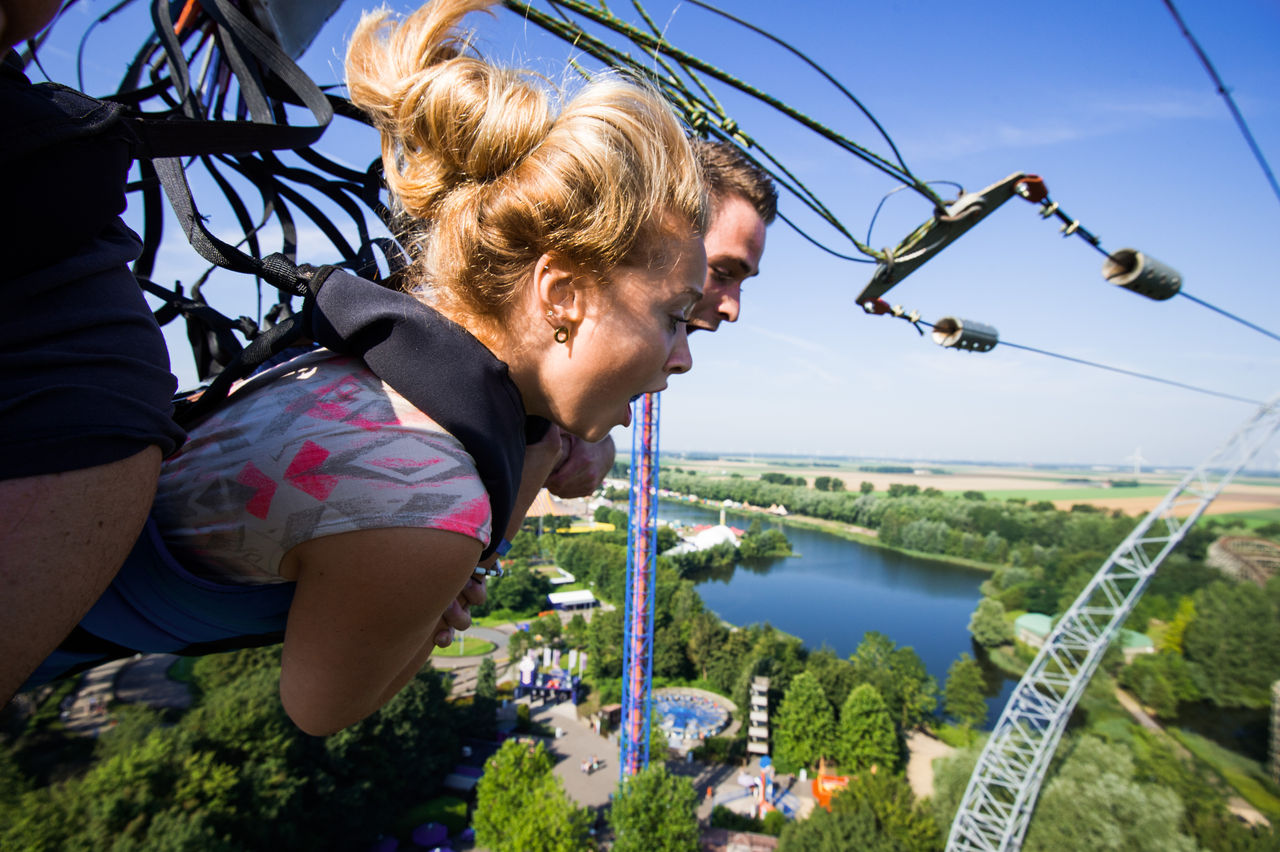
(1002, 791)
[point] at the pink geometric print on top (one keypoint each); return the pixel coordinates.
(264, 489)
(293, 459)
(337, 402)
(469, 517)
(299, 475)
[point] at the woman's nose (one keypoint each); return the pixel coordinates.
(681, 359)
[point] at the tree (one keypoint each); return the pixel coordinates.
(1235, 640)
(1172, 638)
(988, 624)
(899, 675)
(866, 735)
(706, 634)
(835, 674)
(487, 679)
(963, 696)
(866, 487)
(522, 807)
(950, 778)
(876, 811)
(1095, 802)
(803, 727)
(518, 590)
(655, 810)
(575, 632)
(523, 546)
(604, 644)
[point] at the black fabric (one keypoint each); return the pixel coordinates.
(84, 371)
(440, 368)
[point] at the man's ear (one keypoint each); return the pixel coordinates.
(561, 287)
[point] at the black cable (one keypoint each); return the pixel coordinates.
(1226, 95)
(1120, 370)
(1231, 316)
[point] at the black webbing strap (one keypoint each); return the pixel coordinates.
(196, 135)
(289, 332)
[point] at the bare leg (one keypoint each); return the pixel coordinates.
(63, 537)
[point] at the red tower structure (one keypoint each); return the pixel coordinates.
(642, 530)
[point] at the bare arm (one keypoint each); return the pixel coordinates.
(363, 618)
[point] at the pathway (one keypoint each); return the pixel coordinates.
(924, 750)
(1236, 804)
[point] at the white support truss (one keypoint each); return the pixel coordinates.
(1002, 791)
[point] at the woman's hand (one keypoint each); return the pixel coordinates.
(458, 614)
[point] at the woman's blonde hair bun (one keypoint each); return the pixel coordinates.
(488, 176)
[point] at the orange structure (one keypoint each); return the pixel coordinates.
(824, 785)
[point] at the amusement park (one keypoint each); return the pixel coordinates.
(361, 493)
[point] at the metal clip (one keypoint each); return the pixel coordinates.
(494, 570)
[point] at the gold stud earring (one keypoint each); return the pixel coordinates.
(562, 334)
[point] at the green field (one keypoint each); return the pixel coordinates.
(462, 647)
(1083, 495)
(1252, 520)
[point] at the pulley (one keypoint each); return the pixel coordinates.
(955, 333)
(1133, 270)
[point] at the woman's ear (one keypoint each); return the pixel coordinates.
(561, 289)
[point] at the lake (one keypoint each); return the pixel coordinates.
(833, 591)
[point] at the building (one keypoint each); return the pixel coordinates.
(707, 538)
(580, 599)
(1033, 628)
(758, 728)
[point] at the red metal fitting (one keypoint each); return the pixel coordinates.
(1032, 188)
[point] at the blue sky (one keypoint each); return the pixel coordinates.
(1105, 100)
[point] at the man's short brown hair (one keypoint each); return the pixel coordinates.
(728, 171)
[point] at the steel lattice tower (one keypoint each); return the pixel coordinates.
(1002, 791)
(637, 617)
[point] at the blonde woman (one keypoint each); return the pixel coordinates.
(562, 247)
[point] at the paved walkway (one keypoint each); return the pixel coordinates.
(924, 750)
(142, 679)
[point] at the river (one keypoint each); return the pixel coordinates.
(833, 591)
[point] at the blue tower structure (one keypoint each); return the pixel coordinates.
(637, 617)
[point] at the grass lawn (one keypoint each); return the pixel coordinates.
(502, 616)
(465, 648)
(1248, 777)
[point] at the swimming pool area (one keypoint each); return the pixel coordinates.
(688, 716)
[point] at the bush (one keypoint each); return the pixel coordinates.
(722, 817)
(450, 811)
(721, 750)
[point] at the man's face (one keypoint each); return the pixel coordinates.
(735, 242)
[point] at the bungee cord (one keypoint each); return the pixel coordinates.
(200, 68)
